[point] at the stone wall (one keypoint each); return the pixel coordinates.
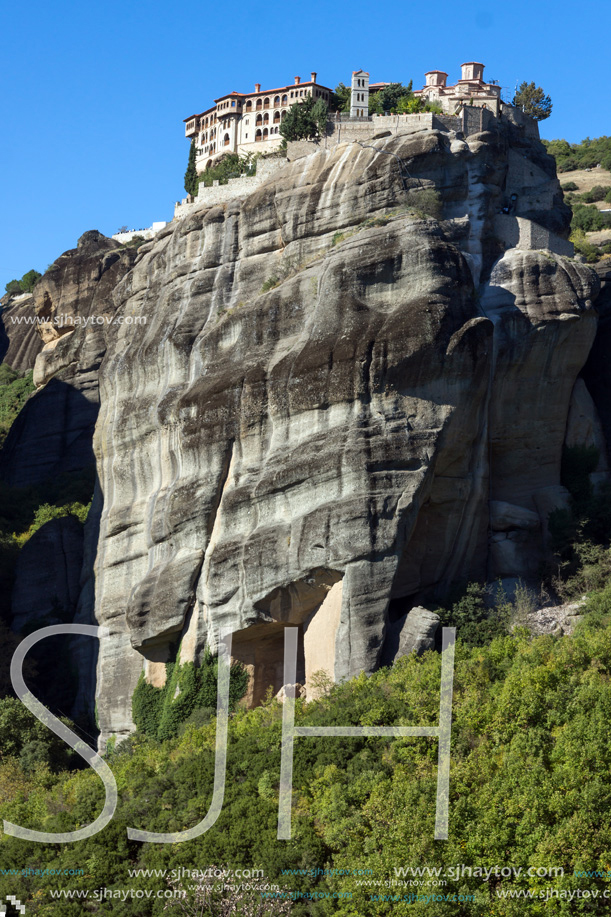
(472, 120)
(517, 232)
(149, 233)
(235, 188)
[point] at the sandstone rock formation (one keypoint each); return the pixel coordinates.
(333, 401)
(53, 433)
(418, 631)
(329, 389)
(20, 342)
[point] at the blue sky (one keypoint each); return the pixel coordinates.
(94, 95)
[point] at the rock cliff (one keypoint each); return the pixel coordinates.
(20, 342)
(326, 401)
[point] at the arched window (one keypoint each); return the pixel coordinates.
(257, 136)
(259, 104)
(266, 118)
(266, 103)
(259, 119)
(265, 132)
(249, 105)
(283, 115)
(226, 140)
(276, 101)
(285, 99)
(276, 117)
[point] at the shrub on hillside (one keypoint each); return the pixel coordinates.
(585, 155)
(597, 193)
(228, 166)
(14, 392)
(160, 712)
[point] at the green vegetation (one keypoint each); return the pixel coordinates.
(589, 154)
(191, 177)
(305, 120)
(597, 193)
(394, 98)
(160, 712)
(530, 720)
(533, 101)
(228, 166)
(24, 738)
(477, 621)
(585, 155)
(25, 285)
(340, 99)
(589, 219)
(581, 534)
(592, 253)
(399, 99)
(269, 284)
(14, 392)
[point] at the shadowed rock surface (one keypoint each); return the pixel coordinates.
(54, 431)
(20, 342)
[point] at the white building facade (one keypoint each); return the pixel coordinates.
(471, 89)
(248, 122)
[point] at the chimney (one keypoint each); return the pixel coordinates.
(257, 87)
(313, 76)
(297, 80)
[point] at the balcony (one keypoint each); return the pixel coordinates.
(191, 128)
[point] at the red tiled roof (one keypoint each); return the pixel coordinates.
(267, 92)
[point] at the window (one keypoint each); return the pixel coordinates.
(266, 103)
(266, 118)
(257, 136)
(259, 119)
(284, 99)
(249, 105)
(276, 117)
(277, 102)
(265, 132)
(233, 104)
(226, 140)
(259, 104)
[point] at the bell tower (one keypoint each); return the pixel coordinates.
(359, 98)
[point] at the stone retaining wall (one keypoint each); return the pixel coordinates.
(235, 187)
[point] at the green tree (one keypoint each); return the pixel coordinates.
(13, 287)
(305, 120)
(390, 98)
(191, 173)
(533, 101)
(28, 280)
(340, 100)
(227, 166)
